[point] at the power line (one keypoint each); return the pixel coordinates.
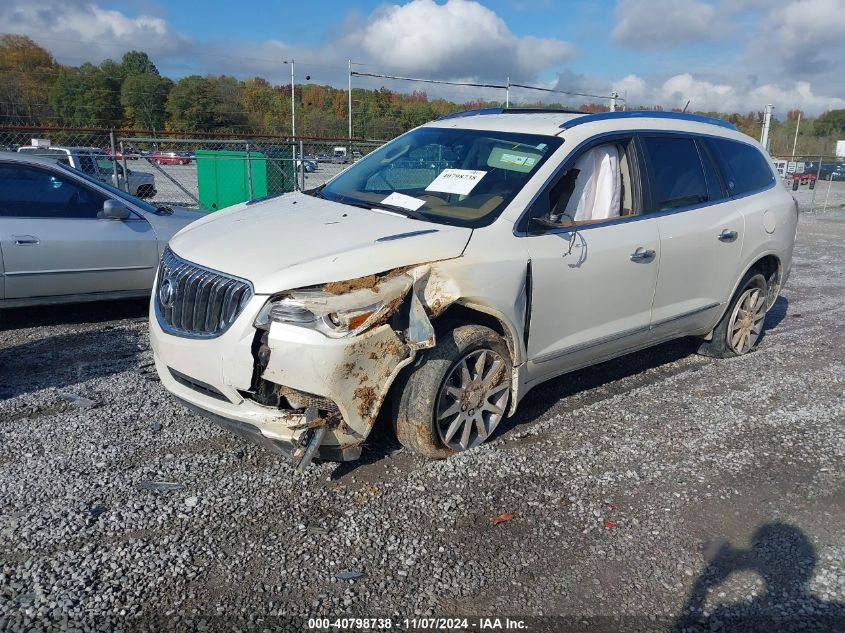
(355, 73)
(564, 92)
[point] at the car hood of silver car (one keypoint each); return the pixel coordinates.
(297, 240)
(167, 225)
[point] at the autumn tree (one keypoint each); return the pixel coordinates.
(144, 97)
(831, 123)
(27, 71)
(86, 96)
(205, 104)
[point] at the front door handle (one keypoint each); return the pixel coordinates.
(642, 255)
(23, 240)
(727, 236)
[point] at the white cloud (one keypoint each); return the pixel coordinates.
(708, 96)
(80, 31)
(805, 36)
(789, 45)
(652, 24)
(460, 38)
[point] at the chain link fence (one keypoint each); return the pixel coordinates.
(203, 171)
(817, 182)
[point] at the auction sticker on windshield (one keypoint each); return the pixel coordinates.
(397, 199)
(460, 181)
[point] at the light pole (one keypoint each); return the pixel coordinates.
(767, 122)
(292, 120)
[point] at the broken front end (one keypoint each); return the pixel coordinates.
(323, 361)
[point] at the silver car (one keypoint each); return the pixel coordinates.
(67, 237)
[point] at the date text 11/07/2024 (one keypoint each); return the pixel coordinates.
(418, 624)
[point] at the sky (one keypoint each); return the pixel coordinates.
(721, 55)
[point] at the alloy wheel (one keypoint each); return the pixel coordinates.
(746, 322)
(472, 399)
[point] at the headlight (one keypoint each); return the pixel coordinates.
(338, 315)
(335, 323)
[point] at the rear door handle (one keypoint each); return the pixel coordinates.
(642, 255)
(23, 240)
(727, 236)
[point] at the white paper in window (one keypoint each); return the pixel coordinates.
(460, 181)
(397, 199)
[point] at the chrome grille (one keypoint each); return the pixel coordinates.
(197, 302)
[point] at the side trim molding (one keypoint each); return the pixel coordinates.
(620, 335)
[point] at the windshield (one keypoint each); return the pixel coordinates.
(445, 175)
(112, 190)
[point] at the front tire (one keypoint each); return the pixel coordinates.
(741, 327)
(454, 399)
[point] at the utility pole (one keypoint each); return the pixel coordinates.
(767, 122)
(795, 142)
(292, 102)
(508, 94)
(349, 107)
(292, 122)
(613, 97)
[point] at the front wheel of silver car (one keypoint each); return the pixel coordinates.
(741, 327)
(456, 395)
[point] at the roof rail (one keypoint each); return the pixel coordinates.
(646, 114)
(500, 110)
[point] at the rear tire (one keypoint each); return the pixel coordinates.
(741, 327)
(455, 396)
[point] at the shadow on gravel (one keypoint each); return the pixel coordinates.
(65, 360)
(784, 558)
(95, 312)
(776, 314)
(600, 378)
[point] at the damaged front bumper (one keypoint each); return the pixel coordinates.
(324, 393)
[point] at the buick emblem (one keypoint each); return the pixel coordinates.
(166, 292)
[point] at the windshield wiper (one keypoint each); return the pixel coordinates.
(362, 204)
(163, 210)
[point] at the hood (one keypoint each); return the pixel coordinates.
(140, 175)
(298, 240)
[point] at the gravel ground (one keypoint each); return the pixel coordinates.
(828, 195)
(659, 490)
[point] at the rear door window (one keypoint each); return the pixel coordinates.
(676, 173)
(745, 168)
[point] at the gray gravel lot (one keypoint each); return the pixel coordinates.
(655, 491)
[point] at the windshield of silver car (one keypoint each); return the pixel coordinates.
(444, 175)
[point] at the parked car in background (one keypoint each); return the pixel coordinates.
(66, 236)
(454, 291)
(128, 155)
(832, 171)
(310, 165)
(169, 158)
(96, 163)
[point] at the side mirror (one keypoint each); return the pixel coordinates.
(114, 210)
(540, 224)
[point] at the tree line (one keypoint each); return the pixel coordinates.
(132, 93)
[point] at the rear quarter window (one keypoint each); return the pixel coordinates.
(744, 167)
(677, 175)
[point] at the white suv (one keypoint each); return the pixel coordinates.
(462, 264)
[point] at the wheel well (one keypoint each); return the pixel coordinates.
(457, 313)
(769, 267)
